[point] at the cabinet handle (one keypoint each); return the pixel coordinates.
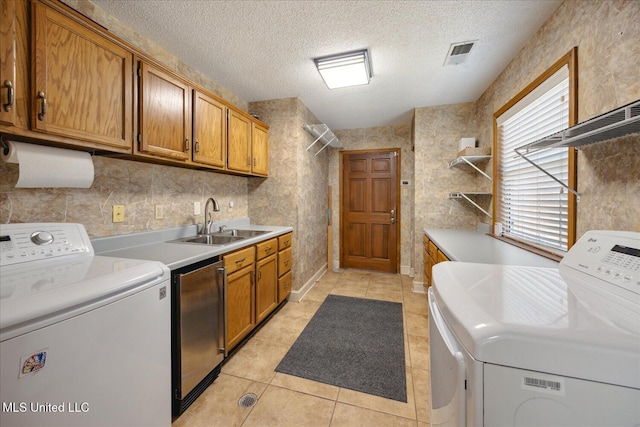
(43, 106)
(249, 161)
(259, 274)
(286, 242)
(267, 249)
(286, 262)
(9, 86)
(197, 149)
(240, 261)
(254, 162)
(186, 144)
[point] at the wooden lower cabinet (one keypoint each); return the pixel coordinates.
(266, 287)
(284, 287)
(240, 305)
(258, 279)
(285, 261)
(432, 255)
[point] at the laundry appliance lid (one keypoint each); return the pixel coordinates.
(531, 318)
(38, 294)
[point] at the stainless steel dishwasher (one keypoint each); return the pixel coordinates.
(198, 329)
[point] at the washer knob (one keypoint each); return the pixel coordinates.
(42, 238)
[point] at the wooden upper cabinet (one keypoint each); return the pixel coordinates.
(239, 142)
(260, 150)
(164, 103)
(8, 51)
(82, 82)
(209, 130)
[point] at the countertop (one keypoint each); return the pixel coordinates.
(155, 245)
(474, 246)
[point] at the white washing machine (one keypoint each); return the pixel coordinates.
(85, 340)
(527, 346)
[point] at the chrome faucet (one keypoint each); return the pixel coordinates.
(208, 218)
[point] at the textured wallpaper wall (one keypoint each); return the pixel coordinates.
(608, 38)
(295, 194)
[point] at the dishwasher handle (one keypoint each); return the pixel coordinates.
(222, 273)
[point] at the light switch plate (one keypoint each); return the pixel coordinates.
(196, 208)
(118, 213)
(159, 212)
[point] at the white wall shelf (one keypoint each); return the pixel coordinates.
(620, 122)
(323, 134)
(471, 161)
(469, 196)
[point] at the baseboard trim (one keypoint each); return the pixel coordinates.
(297, 295)
(406, 270)
(418, 287)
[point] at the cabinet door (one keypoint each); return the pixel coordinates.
(430, 263)
(165, 114)
(441, 257)
(284, 287)
(240, 305)
(266, 287)
(209, 130)
(8, 64)
(260, 150)
(284, 261)
(239, 142)
(82, 83)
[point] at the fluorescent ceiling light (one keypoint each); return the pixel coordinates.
(345, 69)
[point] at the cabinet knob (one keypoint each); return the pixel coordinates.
(9, 104)
(43, 106)
(197, 146)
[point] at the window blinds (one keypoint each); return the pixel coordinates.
(532, 206)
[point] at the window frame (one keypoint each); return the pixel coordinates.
(571, 61)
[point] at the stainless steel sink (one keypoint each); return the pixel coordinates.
(209, 239)
(240, 233)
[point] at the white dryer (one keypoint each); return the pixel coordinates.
(527, 346)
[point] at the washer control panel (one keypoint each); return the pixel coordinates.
(32, 242)
(611, 256)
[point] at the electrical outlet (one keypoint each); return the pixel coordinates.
(196, 208)
(230, 208)
(159, 212)
(118, 213)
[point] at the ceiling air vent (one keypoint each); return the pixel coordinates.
(459, 53)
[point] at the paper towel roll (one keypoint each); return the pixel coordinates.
(49, 167)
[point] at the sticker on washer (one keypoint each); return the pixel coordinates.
(33, 362)
(543, 383)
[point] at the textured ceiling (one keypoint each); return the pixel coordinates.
(262, 50)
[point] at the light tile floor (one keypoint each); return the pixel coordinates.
(285, 400)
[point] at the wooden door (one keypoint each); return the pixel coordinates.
(165, 114)
(369, 211)
(82, 85)
(8, 64)
(239, 142)
(240, 305)
(266, 287)
(209, 130)
(260, 150)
